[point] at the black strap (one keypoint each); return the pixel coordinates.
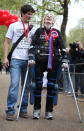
(21, 37)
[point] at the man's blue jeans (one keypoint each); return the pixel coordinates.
(18, 68)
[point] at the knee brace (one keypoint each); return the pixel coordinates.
(35, 90)
(53, 92)
(56, 95)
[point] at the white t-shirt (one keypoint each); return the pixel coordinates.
(14, 32)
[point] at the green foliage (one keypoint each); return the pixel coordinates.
(3, 30)
(11, 4)
(76, 33)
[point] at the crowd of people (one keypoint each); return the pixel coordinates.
(42, 48)
(76, 63)
(77, 56)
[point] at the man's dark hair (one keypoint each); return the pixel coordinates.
(27, 8)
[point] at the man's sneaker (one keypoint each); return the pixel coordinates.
(10, 117)
(48, 115)
(36, 114)
(23, 115)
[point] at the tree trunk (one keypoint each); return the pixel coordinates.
(64, 21)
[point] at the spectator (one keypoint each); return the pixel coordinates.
(79, 77)
(7, 70)
(1, 66)
(77, 56)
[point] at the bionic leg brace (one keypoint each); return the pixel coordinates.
(56, 85)
(33, 87)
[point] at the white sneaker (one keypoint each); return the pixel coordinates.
(48, 115)
(36, 114)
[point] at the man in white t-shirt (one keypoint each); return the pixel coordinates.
(19, 61)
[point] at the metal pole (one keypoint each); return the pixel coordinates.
(22, 93)
(74, 95)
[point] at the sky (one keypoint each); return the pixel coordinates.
(76, 12)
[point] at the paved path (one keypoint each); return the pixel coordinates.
(65, 114)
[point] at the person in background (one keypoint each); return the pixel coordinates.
(79, 69)
(7, 70)
(19, 61)
(1, 66)
(47, 41)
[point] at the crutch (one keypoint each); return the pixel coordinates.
(22, 93)
(74, 94)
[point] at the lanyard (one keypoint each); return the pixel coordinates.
(26, 32)
(47, 36)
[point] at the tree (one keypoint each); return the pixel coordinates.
(77, 33)
(58, 7)
(13, 5)
(65, 19)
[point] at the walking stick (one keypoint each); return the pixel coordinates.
(22, 93)
(74, 95)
